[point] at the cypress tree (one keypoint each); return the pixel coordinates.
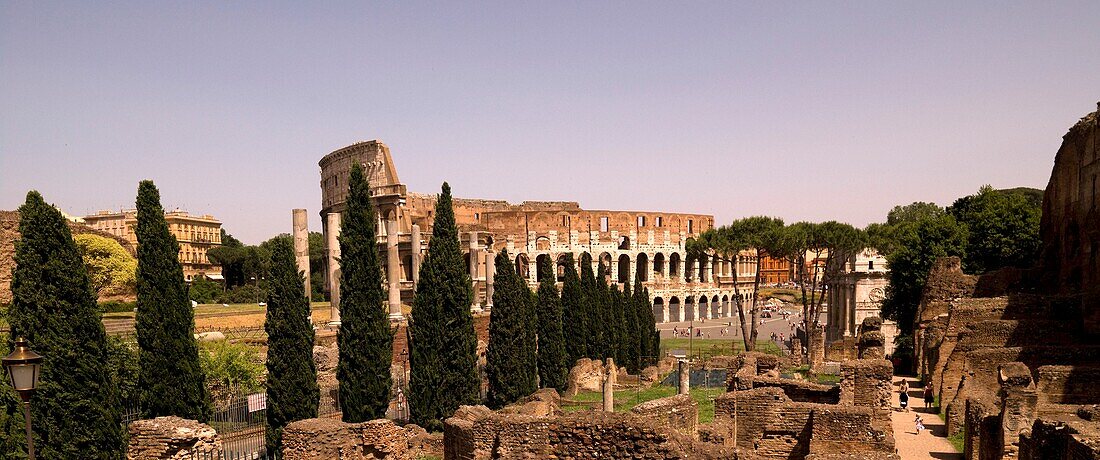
(76, 409)
(551, 344)
(510, 361)
(574, 324)
(615, 319)
(591, 309)
(292, 392)
(365, 338)
(647, 324)
(171, 380)
(604, 308)
(442, 342)
(641, 326)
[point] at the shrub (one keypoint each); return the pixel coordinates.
(230, 367)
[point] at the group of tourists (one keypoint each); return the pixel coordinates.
(903, 399)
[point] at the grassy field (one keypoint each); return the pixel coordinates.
(715, 347)
(627, 399)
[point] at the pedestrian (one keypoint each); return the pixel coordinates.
(919, 423)
(903, 398)
(929, 398)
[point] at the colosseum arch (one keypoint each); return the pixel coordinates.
(523, 266)
(624, 243)
(542, 262)
(703, 307)
(715, 308)
(560, 266)
(674, 265)
(659, 264)
(643, 268)
(659, 310)
(624, 268)
(703, 259)
(689, 309)
(726, 306)
(542, 243)
(674, 313)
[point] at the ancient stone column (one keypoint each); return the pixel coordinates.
(490, 273)
(332, 231)
(609, 391)
(416, 247)
(393, 270)
(301, 245)
(474, 304)
(685, 377)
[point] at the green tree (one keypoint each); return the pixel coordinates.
(729, 244)
(442, 343)
(573, 321)
(590, 308)
(76, 409)
(171, 378)
(918, 245)
(551, 343)
(109, 265)
(647, 329)
(601, 307)
(366, 339)
(1002, 228)
(317, 266)
(511, 364)
(292, 392)
(203, 290)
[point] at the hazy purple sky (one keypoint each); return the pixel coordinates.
(805, 110)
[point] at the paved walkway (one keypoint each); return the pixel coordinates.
(929, 444)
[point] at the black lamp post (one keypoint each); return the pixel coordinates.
(24, 367)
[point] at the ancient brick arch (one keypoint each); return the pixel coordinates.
(539, 264)
(659, 264)
(624, 268)
(674, 264)
(674, 312)
(622, 222)
(659, 309)
(542, 243)
(523, 266)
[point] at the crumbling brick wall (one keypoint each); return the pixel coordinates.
(475, 433)
(171, 438)
(680, 413)
(323, 438)
(867, 383)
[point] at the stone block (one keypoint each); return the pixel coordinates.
(171, 438)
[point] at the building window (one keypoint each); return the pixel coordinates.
(641, 221)
(477, 216)
(691, 226)
(870, 265)
(658, 221)
(604, 224)
(565, 221)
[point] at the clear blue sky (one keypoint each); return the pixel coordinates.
(804, 110)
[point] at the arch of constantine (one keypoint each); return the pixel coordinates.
(646, 247)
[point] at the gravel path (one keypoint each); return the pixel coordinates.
(929, 444)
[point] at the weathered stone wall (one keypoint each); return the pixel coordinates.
(867, 383)
(323, 438)
(679, 413)
(171, 438)
(475, 433)
(1070, 225)
(773, 426)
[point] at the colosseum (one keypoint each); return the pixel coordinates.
(632, 246)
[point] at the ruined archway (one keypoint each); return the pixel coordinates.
(605, 262)
(674, 265)
(703, 259)
(560, 269)
(726, 306)
(703, 307)
(674, 313)
(643, 268)
(659, 310)
(624, 243)
(715, 308)
(690, 313)
(659, 264)
(624, 269)
(542, 265)
(523, 266)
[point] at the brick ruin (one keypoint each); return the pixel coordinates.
(1014, 355)
(171, 438)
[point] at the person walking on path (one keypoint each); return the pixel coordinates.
(929, 398)
(919, 424)
(903, 395)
